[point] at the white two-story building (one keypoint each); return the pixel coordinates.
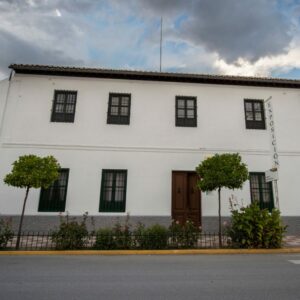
(128, 142)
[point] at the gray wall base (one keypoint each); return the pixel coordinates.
(48, 223)
(209, 224)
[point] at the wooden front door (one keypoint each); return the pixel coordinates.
(186, 197)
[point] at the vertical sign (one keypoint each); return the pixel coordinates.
(269, 109)
(274, 152)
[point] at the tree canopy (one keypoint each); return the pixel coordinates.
(222, 170)
(33, 171)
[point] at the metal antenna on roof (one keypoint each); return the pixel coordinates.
(160, 52)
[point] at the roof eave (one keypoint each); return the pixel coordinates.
(154, 76)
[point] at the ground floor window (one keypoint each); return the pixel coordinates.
(53, 199)
(113, 191)
(261, 191)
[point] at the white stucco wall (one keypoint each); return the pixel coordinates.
(151, 146)
(3, 96)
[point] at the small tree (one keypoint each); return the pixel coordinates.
(222, 170)
(31, 171)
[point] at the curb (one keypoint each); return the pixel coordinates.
(155, 252)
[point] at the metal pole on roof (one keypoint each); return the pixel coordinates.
(160, 56)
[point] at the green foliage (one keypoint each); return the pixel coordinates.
(33, 171)
(118, 237)
(184, 236)
(153, 237)
(121, 237)
(252, 227)
(140, 236)
(71, 234)
(105, 239)
(222, 170)
(6, 233)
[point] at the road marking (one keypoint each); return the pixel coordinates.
(297, 262)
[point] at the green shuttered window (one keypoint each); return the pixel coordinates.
(53, 199)
(64, 105)
(261, 191)
(254, 114)
(119, 109)
(186, 111)
(113, 191)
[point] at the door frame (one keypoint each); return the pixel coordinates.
(173, 193)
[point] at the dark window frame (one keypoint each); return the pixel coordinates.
(185, 122)
(118, 119)
(51, 205)
(261, 189)
(113, 206)
(255, 124)
(64, 116)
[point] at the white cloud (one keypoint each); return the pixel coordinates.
(112, 34)
(58, 13)
(264, 66)
(30, 2)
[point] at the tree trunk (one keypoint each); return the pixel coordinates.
(21, 220)
(220, 225)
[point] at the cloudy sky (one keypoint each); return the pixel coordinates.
(236, 37)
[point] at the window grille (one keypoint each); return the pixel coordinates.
(254, 114)
(64, 105)
(119, 109)
(53, 199)
(113, 191)
(261, 191)
(186, 111)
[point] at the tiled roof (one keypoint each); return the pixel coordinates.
(154, 76)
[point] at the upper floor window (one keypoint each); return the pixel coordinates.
(53, 199)
(113, 191)
(254, 114)
(119, 109)
(261, 191)
(64, 105)
(186, 111)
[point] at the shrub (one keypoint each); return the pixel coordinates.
(105, 239)
(153, 237)
(184, 236)
(6, 233)
(122, 235)
(118, 237)
(142, 237)
(252, 227)
(139, 237)
(71, 234)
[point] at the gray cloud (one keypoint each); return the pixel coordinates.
(74, 6)
(30, 31)
(16, 50)
(248, 28)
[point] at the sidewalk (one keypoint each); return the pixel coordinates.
(291, 244)
(291, 241)
(290, 250)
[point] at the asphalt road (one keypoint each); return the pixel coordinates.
(150, 277)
